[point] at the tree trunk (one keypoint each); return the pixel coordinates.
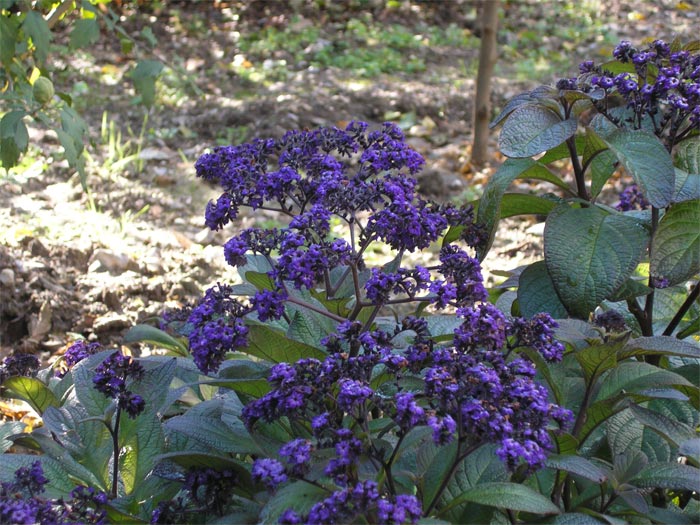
(487, 60)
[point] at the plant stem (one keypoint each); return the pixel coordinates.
(578, 170)
(313, 308)
(115, 444)
(692, 297)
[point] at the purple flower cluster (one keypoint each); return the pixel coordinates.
(75, 353)
(269, 472)
(18, 365)
(662, 90)
(361, 499)
(21, 501)
(217, 327)
(631, 198)
(111, 377)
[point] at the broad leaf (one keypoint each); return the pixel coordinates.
(31, 390)
(529, 97)
(274, 346)
(299, 496)
(531, 129)
(646, 158)
(577, 465)
(672, 430)
(481, 466)
(523, 204)
(144, 77)
(597, 359)
(36, 28)
(536, 293)
(143, 333)
(7, 429)
(512, 496)
(668, 476)
(86, 32)
(691, 448)
(590, 253)
(659, 345)
(675, 248)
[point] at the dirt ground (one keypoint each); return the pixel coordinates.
(66, 270)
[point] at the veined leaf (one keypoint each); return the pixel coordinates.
(577, 465)
(299, 496)
(274, 346)
(512, 496)
(672, 430)
(533, 129)
(659, 345)
(31, 390)
(36, 28)
(590, 253)
(646, 159)
(668, 476)
(536, 292)
(675, 248)
(143, 333)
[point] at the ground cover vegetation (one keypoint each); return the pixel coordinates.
(328, 385)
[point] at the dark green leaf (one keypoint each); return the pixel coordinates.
(198, 459)
(691, 448)
(692, 329)
(7, 429)
(536, 293)
(577, 465)
(140, 445)
(670, 429)
(575, 518)
(512, 496)
(260, 280)
(675, 248)
(529, 97)
(646, 158)
(523, 204)
(8, 38)
(590, 253)
(659, 345)
(36, 28)
(688, 155)
(144, 77)
(143, 333)
(597, 359)
(630, 289)
(481, 466)
(86, 32)
(687, 186)
(31, 390)
(601, 168)
(272, 345)
(299, 496)
(668, 476)
(489, 206)
(530, 130)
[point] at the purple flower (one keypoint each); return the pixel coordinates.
(270, 472)
(75, 353)
(632, 198)
(408, 412)
(269, 304)
(538, 333)
(17, 365)
(111, 377)
(610, 321)
(352, 393)
(484, 326)
(217, 327)
(297, 454)
(444, 429)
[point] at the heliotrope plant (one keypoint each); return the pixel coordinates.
(330, 388)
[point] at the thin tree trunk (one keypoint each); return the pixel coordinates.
(487, 60)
